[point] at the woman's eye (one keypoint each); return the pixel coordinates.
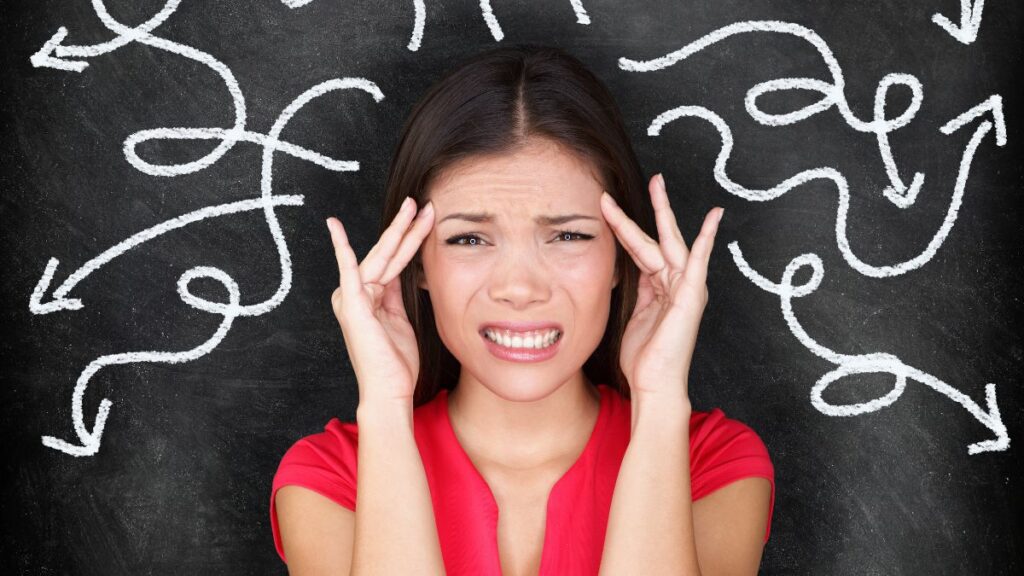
(464, 240)
(474, 240)
(569, 234)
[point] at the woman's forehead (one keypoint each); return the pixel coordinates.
(517, 182)
(493, 200)
(538, 162)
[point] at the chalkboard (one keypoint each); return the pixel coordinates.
(165, 162)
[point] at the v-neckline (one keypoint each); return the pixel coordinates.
(587, 448)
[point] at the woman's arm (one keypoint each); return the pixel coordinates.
(655, 528)
(317, 533)
(392, 531)
(396, 532)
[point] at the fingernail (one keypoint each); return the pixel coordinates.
(428, 208)
(661, 180)
(405, 204)
(606, 197)
(721, 212)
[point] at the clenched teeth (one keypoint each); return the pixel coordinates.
(534, 340)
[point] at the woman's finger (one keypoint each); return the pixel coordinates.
(348, 265)
(673, 247)
(376, 260)
(696, 271)
(421, 227)
(645, 251)
(392, 300)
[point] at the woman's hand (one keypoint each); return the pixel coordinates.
(368, 304)
(658, 342)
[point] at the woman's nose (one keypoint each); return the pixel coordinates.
(520, 278)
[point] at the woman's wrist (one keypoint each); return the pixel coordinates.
(384, 415)
(661, 411)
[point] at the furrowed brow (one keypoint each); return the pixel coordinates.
(484, 217)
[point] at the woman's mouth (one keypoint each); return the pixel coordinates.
(529, 346)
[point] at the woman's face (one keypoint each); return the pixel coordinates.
(495, 255)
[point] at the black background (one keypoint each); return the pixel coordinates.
(181, 482)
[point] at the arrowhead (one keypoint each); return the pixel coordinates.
(994, 422)
(965, 33)
(907, 197)
(35, 302)
(90, 441)
(44, 57)
(993, 103)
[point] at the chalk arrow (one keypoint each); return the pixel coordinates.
(832, 95)
(906, 196)
(970, 21)
(44, 58)
(994, 422)
(874, 363)
(35, 302)
(90, 441)
(53, 54)
(993, 103)
(60, 300)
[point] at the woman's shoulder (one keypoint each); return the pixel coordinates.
(709, 429)
(723, 449)
(715, 425)
(339, 440)
(712, 432)
(324, 462)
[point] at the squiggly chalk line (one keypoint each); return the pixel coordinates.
(489, 19)
(840, 182)
(879, 362)
(902, 196)
(833, 94)
(90, 441)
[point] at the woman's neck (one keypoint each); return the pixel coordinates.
(516, 436)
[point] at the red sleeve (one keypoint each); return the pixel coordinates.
(723, 450)
(323, 462)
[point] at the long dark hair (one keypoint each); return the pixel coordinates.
(491, 104)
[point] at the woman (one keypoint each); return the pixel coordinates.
(522, 348)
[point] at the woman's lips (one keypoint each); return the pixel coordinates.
(521, 354)
(521, 326)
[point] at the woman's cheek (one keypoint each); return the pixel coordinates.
(586, 259)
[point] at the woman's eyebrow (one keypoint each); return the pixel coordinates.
(484, 217)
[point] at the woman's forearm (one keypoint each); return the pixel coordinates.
(395, 531)
(650, 524)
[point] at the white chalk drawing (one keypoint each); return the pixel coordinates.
(832, 94)
(495, 28)
(828, 173)
(966, 32)
(54, 54)
(57, 55)
(89, 441)
(898, 193)
(874, 363)
(492, 22)
(142, 34)
(417, 27)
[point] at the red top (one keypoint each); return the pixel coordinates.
(721, 450)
